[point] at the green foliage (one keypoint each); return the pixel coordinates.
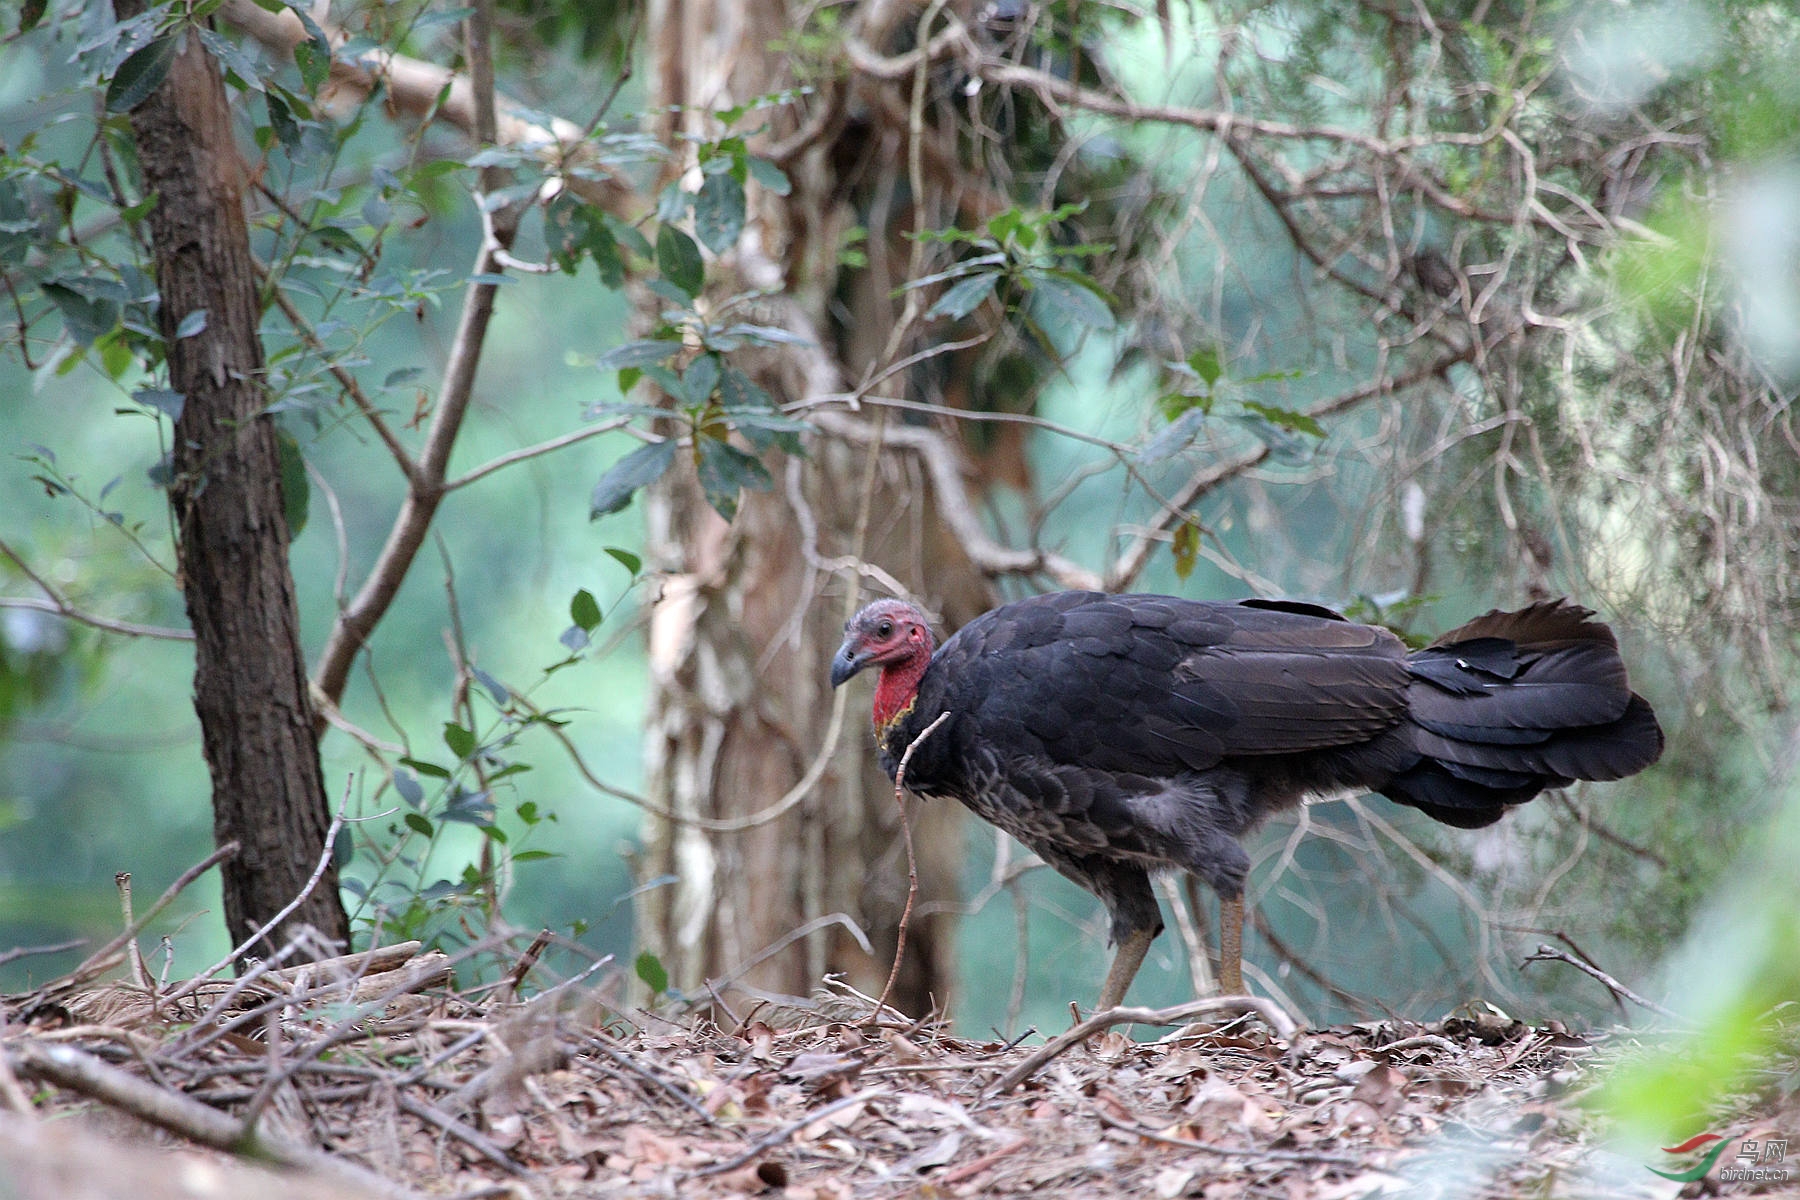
(650, 969)
(1017, 259)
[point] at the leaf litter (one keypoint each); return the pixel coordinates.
(371, 1075)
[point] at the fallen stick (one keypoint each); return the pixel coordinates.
(1280, 1022)
(80, 1072)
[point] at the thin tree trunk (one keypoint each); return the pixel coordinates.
(250, 682)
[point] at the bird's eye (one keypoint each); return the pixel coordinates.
(885, 629)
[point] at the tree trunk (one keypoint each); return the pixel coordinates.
(250, 682)
(742, 633)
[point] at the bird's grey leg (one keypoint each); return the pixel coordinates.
(1231, 945)
(1126, 961)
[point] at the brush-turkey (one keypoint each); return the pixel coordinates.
(1114, 735)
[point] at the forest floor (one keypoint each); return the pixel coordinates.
(370, 1077)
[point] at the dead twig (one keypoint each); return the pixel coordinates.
(102, 959)
(912, 862)
(17, 952)
(1268, 1010)
(1249, 1152)
(79, 1071)
(257, 935)
(768, 1142)
(463, 1133)
(1620, 991)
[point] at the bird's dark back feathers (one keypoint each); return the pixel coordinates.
(1251, 706)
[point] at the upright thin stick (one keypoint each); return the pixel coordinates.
(912, 863)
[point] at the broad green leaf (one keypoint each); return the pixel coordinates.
(409, 788)
(1172, 439)
(192, 324)
(499, 691)
(1206, 363)
(418, 824)
(1186, 548)
(642, 466)
(312, 56)
(700, 378)
(460, 740)
(141, 74)
(1286, 418)
(738, 390)
(679, 260)
(719, 212)
(637, 354)
(1070, 298)
(965, 297)
(652, 972)
(725, 471)
(626, 559)
(769, 175)
(85, 317)
(163, 400)
(584, 610)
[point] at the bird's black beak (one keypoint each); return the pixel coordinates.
(847, 662)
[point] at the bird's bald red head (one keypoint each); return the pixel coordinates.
(895, 636)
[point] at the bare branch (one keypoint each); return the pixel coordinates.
(1620, 991)
(60, 606)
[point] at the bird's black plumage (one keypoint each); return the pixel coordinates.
(1117, 734)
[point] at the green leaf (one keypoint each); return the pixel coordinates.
(678, 258)
(641, 467)
(191, 325)
(499, 691)
(418, 824)
(409, 788)
(725, 471)
(738, 390)
(640, 353)
(312, 56)
(653, 973)
(1177, 436)
(167, 402)
(965, 297)
(296, 489)
(140, 74)
(233, 58)
(281, 120)
(1186, 548)
(627, 235)
(425, 768)
(1071, 297)
(1206, 363)
(460, 740)
(719, 213)
(30, 13)
(1286, 418)
(584, 610)
(86, 318)
(626, 559)
(699, 380)
(770, 176)
(534, 855)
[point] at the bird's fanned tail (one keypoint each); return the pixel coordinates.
(1513, 703)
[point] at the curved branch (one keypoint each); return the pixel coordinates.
(59, 606)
